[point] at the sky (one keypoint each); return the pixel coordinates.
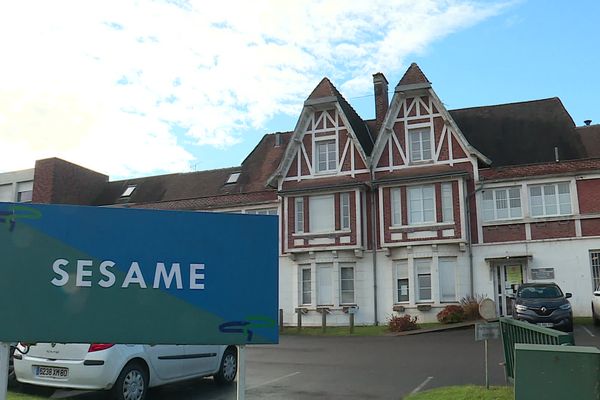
(138, 88)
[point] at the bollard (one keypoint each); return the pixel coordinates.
(281, 320)
(351, 323)
(299, 311)
(324, 319)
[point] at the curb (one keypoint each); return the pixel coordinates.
(437, 329)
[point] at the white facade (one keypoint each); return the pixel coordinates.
(16, 186)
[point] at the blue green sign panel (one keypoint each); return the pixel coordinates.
(71, 274)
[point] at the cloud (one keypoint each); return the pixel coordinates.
(104, 83)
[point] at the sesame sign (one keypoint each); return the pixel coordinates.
(72, 274)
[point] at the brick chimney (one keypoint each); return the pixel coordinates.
(380, 87)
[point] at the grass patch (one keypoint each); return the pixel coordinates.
(465, 393)
(583, 320)
(368, 330)
(22, 396)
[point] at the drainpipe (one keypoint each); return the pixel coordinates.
(374, 243)
(468, 225)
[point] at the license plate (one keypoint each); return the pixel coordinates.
(51, 372)
(546, 324)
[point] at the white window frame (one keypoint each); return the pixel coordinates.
(447, 278)
(328, 160)
(401, 274)
(329, 214)
(447, 203)
(351, 281)
(345, 211)
(25, 192)
(299, 214)
(262, 211)
(512, 212)
(396, 207)
(304, 291)
(595, 265)
(324, 271)
(545, 204)
(419, 265)
(424, 132)
(422, 220)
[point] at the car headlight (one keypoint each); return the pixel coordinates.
(565, 306)
(520, 307)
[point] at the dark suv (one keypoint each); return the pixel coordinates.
(543, 304)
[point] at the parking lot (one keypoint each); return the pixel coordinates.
(304, 367)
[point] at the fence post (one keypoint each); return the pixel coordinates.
(351, 322)
(324, 319)
(299, 325)
(281, 320)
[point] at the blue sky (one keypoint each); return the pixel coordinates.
(133, 89)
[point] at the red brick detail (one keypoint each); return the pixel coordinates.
(367, 213)
(424, 110)
(457, 151)
(540, 169)
(435, 110)
(358, 160)
(472, 207)
(325, 133)
(438, 127)
(347, 161)
(353, 220)
(588, 191)
(293, 171)
(319, 124)
(552, 230)
(413, 111)
(399, 133)
(387, 214)
(60, 182)
(438, 202)
(404, 205)
(418, 121)
(306, 214)
(332, 116)
(384, 160)
(337, 211)
(307, 142)
(590, 227)
(503, 233)
(401, 112)
(456, 210)
(291, 221)
(444, 152)
(396, 157)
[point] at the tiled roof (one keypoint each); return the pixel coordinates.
(521, 133)
(175, 188)
(590, 137)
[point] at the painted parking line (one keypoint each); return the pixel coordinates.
(422, 385)
(588, 331)
(273, 381)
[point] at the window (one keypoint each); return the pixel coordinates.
(6, 192)
(264, 211)
(345, 208)
(447, 274)
(128, 190)
(299, 202)
(326, 156)
(402, 286)
(502, 203)
(347, 283)
(325, 284)
(447, 207)
(24, 192)
(421, 205)
(420, 144)
(423, 273)
(321, 214)
(233, 178)
(595, 261)
(549, 200)
(305, 285)
(396, 215)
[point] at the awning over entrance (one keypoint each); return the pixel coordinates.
(507, 257)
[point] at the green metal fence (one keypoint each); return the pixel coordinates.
(523, 332)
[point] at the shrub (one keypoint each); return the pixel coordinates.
(470, 305)
(402, 323)
(451, 314)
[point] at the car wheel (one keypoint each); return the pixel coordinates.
(228, 367)
(595, 317)
(132, 383)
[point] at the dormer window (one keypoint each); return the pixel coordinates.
(128, 191)
(326, 156)
(420, 144)
(233, 178)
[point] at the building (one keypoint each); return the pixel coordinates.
(406, 213)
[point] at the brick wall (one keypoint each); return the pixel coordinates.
(588, 191)
(552, 230)
(503, 233)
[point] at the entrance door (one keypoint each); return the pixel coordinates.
(506, 277)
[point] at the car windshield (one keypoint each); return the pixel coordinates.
(536, 292)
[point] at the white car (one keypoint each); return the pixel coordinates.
(127, 370)
(596, 306)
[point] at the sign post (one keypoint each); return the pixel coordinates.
(4, 350)
(241, 386)
(486, 331)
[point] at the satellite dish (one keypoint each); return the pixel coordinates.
(487, 309)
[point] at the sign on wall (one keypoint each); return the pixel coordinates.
(542, 273)
(72, 274)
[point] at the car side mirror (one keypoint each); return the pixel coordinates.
(510, 296)
(568, 295)
(597, 293)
